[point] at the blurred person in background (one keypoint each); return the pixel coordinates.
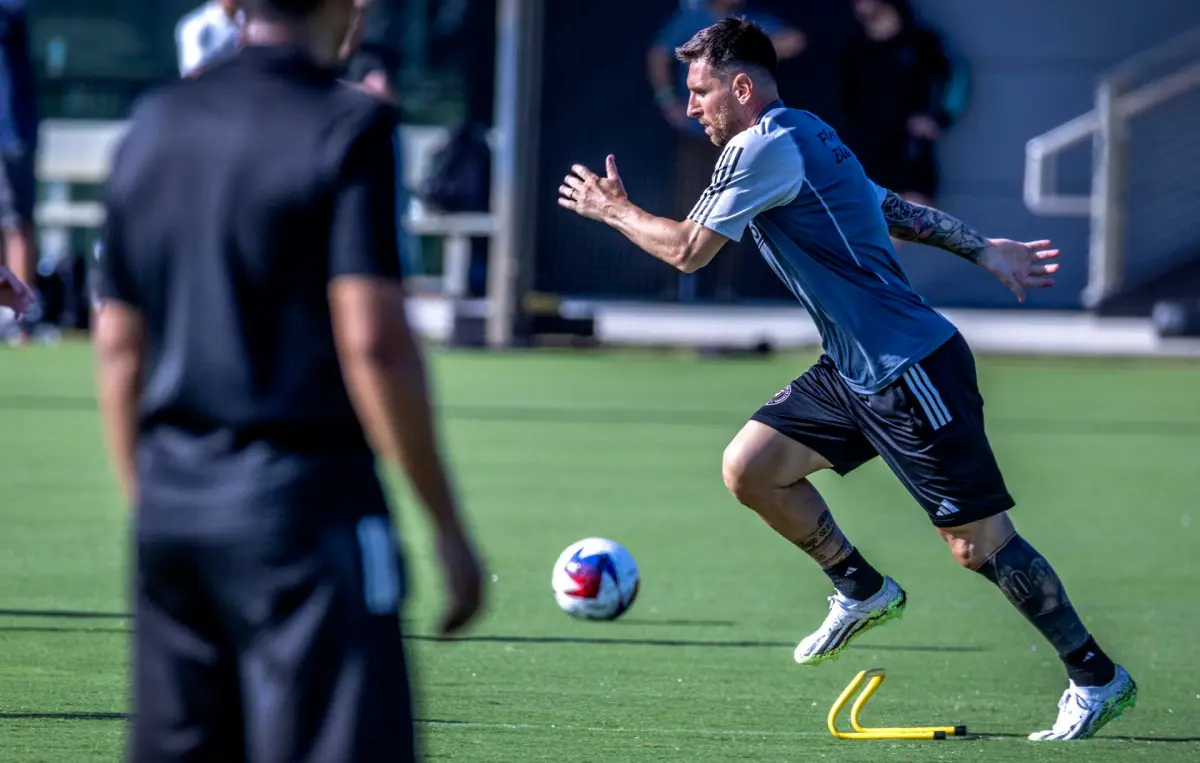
(208, 32)
(695, 153)
(459, 176)
(900, 92)
(372, 58)
(18, 182)
(372, 51)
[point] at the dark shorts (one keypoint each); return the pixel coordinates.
(928, 427)
(271, 649)
(18, 189)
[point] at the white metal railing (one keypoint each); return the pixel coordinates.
(1171, 70)
(81, 151)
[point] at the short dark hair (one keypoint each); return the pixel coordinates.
(729, 43)
(287, 9)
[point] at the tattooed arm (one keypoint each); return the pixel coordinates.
(925, 225)
(1017, 265)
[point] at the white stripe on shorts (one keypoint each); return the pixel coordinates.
(927, 396)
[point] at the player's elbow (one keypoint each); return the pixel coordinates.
(688, 264)
(692, 257)
(379, 346)
(689, 258)
(368, 348)
(370, 325)
(694, 246)
(118, 333)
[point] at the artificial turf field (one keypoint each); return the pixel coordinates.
(551, 447)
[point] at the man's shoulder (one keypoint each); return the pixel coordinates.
(151, 107)
(797, 119)
(769, 140)
(806, 130)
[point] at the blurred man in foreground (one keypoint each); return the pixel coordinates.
(252, 347)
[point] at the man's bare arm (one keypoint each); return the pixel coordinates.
(687, 245)
(1016, 264)
(385, 376)
(120, 353)
(925, 225)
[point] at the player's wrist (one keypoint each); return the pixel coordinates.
(614, 211)
(990, 258)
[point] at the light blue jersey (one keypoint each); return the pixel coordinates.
(817, 220)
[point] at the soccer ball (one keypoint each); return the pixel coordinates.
(595, 579)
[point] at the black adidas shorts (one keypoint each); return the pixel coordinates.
(271, 649)
(928, 427)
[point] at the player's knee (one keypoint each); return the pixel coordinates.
(743, 473)
(974, 544)
(967, 552)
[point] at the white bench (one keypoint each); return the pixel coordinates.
(80, 152)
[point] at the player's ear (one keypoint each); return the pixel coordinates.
(742, 86)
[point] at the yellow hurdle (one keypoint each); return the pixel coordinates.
(874, 678)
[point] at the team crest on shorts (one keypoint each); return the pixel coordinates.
(781, 395)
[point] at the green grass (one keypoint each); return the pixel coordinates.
(551, 447)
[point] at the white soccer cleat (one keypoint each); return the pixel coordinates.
(848, 619)
(1083, 711)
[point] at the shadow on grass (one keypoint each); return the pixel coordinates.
(68, 614)
(984, 736)
(550, 640)
(65, 716)
(702, 643)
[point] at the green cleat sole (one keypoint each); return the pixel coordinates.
(1113, 710)
(894, 611)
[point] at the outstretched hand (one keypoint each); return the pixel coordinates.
(13, 293)
(1020, 266)
(590, 195)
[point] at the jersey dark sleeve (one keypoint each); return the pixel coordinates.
(117, 271)
(114, 274)
(365, 239)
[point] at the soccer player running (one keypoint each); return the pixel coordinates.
(252, 347)
(897, 380)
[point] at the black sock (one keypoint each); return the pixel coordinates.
(1089, 665)
(855, 578)
(1031, 585)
